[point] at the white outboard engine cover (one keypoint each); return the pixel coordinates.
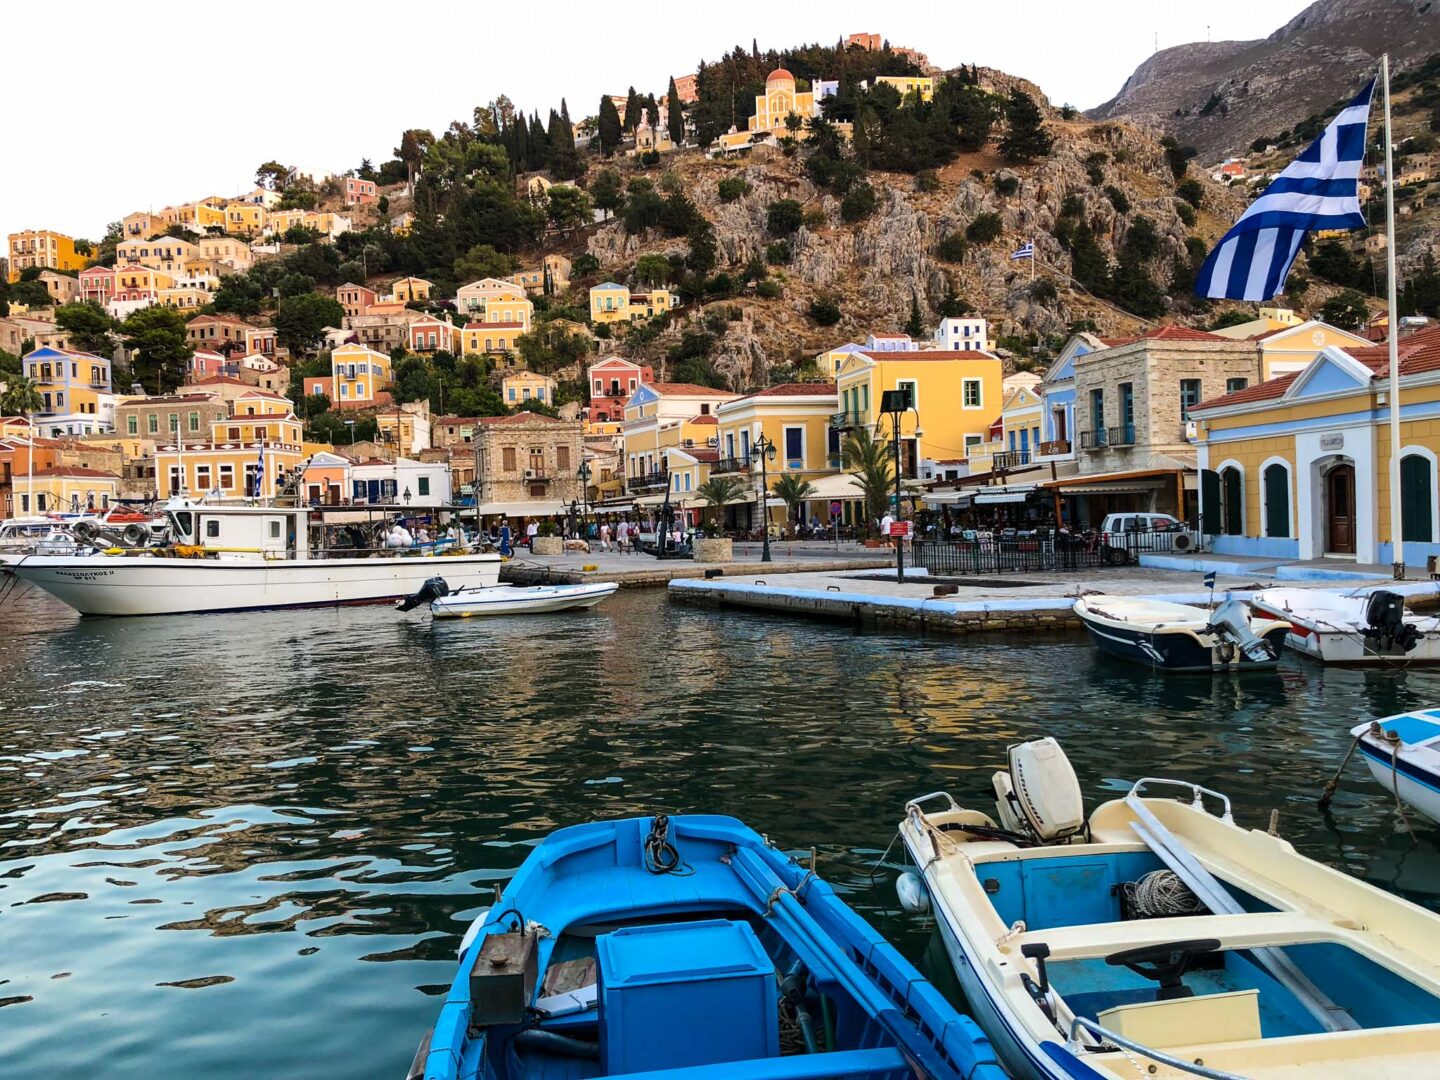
(1232, 621)
(1040, 795)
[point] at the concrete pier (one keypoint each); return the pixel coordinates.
(634, 571)
(1014, 603)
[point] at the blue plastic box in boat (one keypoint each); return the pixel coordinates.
(662, 987)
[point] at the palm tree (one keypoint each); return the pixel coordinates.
(869, 459)
(720, 490)
(20, 397)
(794, 490)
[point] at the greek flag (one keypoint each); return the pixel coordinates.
(1024, 251)
(260, 472)
(1316, 191)
(1210, 580)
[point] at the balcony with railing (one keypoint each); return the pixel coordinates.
(1007, 460)
(648, 482)
(1093, 440)
(847, 421)
(1121, 435)
(731, 465)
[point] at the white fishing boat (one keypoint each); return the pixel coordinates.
(445, 603)
(225, 557)
(1403, 753)
(1178, 637)
(1371, 626)
(1159, 939)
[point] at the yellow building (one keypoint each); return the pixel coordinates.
(796, 419)
(358, 374)
(662, 416)
(1291, 348)
(1299, 466)
(780, 100)
(70, 383)
(195, 216)
(225, 250)
(243, 218)
(63, 489)
(521, 388)
(185, 297)
(610, 302)
(141, 225)
(409, 290)
(168, 253)
(478, 338)
(43, 248)
(135, 282)
(909, 84)
(957, 395)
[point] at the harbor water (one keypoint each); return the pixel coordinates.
(248, 845)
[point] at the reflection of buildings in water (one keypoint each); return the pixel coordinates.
(1406, 863)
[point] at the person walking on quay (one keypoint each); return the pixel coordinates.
(604, 536)
(622, 534)
(885, 523)
(505, 548)
(530, 531)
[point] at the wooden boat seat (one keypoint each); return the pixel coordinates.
(1233, 932)
(1232, 1017)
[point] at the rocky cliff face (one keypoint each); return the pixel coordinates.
(873, 267)
(1221, 96)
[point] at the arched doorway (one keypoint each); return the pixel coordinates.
(1232, 501)
(1417, 496)
(1339, 503)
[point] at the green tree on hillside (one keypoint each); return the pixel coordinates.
(300, 321)
(1347, 310)
(89, 326)
(675, 113)
(1026, 140)
(483, 261)
(607, 192)
(633, 108)
(568, 207)
(156, 337)
(610, 127)
(20, 397)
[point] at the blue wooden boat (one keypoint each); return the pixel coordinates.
(686, 948)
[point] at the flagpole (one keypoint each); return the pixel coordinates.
(1397, 544)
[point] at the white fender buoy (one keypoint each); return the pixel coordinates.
(914, 898)
(473, 932)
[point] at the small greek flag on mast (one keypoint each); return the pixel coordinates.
(1024, 251)
(1318, 190)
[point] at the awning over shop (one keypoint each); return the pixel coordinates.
(1126, 482)
(529, 508)
(990, 498)
(840, 486)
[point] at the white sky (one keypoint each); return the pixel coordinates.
(183, 100)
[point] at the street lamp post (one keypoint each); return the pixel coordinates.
(583, 475)
(896, 403)
(766, 451)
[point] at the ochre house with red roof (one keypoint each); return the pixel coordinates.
(660, 416)
(1299, 466)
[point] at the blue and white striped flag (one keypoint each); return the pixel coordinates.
(1024, 251)
(1318, 190)
(1210, 580)
(260, 472)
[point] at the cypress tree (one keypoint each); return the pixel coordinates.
(1027, 138)
(609, 126)
(915, 327)
(675, 114)
(632, 111)
(539, 143)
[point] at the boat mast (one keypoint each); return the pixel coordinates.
(30, 477)
(1397, 544)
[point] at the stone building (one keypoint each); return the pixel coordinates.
(1132, 405)
(158, 417)
(526, 464)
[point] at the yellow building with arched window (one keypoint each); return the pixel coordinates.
(781, 98)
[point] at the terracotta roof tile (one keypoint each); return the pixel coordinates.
(705, 418)
(688, 389)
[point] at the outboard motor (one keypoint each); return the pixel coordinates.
(1385, 627)
(433, 589)
(1231, 620)
(1039, 796)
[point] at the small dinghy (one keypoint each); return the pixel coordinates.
(1178, 637)
(1160, 939)
(505, 599)
(690, 947)
(1372, 627)
(1403, 753)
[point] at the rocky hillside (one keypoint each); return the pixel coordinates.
(1108, 175)
(1221, 96)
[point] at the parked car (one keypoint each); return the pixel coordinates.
(1134, 533)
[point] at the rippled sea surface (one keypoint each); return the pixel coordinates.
(247, 845)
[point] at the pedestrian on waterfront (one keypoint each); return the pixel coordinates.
(885, 523)
(505, 548)
(622, 534)
(604, 536)
(530, 531)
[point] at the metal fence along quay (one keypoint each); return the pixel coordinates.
(999, 554)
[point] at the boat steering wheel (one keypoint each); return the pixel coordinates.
(1165, 964)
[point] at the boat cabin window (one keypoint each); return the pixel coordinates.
(184, 522)
(212, 528)
(274, 530)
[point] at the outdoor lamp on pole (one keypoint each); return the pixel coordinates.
(351, 425)
(583, 475)
(406, 495)
(765, 450)
(895, 404)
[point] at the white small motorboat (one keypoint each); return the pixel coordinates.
(1369, 626)
(1403, 753)
(505, 599)
(1179, 637)
(1159, 939)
